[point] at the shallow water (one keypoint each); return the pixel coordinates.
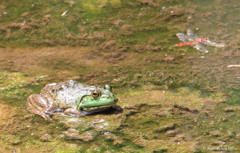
(217, 20)
(172, 97)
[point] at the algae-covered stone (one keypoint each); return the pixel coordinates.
(74, 134)
(74, 122)
(97, 122)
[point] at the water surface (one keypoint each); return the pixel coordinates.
(172, 97)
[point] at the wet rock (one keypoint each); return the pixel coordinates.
(46, 138)
(97, 122)
(74, 134)
(74, 122)
(106, 122)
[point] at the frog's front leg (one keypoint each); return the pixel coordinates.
(41, 105)
(73, 112)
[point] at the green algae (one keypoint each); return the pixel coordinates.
(135, 129)
(16, 84)
(99, 6)
(146, 125)
(13, 84)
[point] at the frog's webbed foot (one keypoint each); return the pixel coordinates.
(73, 112)
(41, 105)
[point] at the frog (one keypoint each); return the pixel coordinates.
(71, 98)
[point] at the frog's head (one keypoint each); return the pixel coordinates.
(100, 99)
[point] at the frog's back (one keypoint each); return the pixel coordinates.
(69, 92)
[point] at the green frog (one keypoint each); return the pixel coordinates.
(71, 97)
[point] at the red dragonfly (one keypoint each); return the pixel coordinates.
(200, 40)
(191, 39)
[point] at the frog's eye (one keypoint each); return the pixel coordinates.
(95, 94)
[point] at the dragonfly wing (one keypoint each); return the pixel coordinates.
(200, 47)
(211, 43)
(190, 32)
(182, 37)
(191, 35)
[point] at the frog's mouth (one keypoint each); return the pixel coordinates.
(96, 108)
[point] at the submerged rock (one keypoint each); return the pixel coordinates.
(106, 121)
(74, 134)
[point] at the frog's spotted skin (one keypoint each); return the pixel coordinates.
(72, 97)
